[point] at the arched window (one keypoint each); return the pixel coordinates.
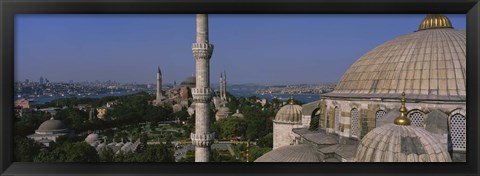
(337, 119)
(378, 116)
(315, 120)
(354, 130)
(416, 118)
(458, 132)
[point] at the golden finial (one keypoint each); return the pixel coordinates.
(432, 21)
(292, 100)
(402, 120)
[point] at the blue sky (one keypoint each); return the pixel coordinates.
(272, 49)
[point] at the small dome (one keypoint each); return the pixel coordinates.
(93, 137)
(397, 143)
(223, 110)
(238, 114)
(177, 107)
(290, 113)
(189, 82)
(432, 21)
(291, 153)
(100, 146)
(52, 125)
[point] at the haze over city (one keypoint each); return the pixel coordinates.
(275, 49)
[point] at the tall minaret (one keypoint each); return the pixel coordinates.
(159, 87)
(202, 94)
(221, 86)
(225, 85)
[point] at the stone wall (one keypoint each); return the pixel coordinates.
(367, 113)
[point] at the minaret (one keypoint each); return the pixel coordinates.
(159, 87)
(202, 94)
(225, 85)
(221, 86)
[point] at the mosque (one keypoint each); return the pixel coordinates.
(403, 101)
(50, 131)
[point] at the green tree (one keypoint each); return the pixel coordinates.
(266, 141)
(25, 149)
(107, 155)
(69, 152)
(256, 152)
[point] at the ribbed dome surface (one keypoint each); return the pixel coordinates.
(426, 65)
(396, 143)
(435, 21)
(291, 153)
(51, 125)
(289, 113)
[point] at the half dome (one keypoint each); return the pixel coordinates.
(397, 143)
(291, 153)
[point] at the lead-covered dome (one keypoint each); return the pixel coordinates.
(290, 113)
(91, 138)
(52, 125)
(189, 82)
(428, 64)
(291, 153)
(396, 143)
(401, 142)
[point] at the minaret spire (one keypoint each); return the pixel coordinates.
(202, 94)
(221, 86)
(225, 85)
(158, 100)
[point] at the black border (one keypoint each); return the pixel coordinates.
(8, 8)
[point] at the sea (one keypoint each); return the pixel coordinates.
(304, 98)
(44, 99)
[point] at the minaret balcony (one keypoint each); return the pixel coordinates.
(202, 140)
(202, 95)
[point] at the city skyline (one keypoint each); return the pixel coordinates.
(271, 49)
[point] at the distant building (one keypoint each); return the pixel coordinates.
(49, 131)
(22, 103)
(50, 110)
(101, 112)
(186, 87)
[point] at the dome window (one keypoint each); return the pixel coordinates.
(354, 131)
(416, 118)
(379, 115)
(458, 132)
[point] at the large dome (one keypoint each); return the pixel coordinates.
(51, 125)
(290, 113)
(428, 64)
(189, 82)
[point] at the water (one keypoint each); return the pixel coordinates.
(45, 99)
(305, 98)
